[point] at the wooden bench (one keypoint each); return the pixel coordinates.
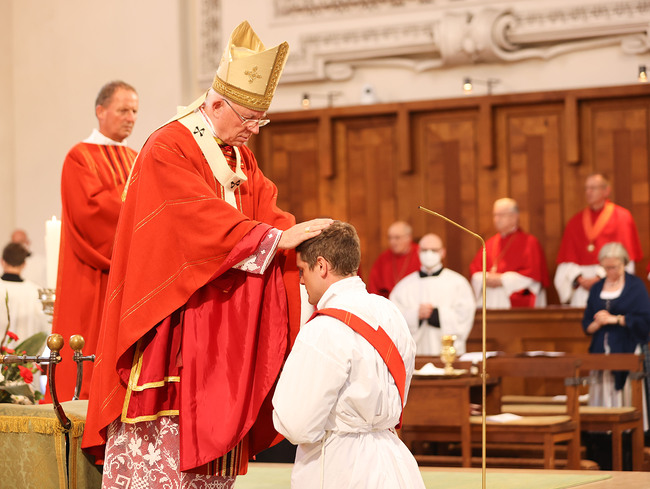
(615, 420)
(443, 416)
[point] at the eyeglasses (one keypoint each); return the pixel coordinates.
(249, 123)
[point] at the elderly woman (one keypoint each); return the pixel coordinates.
(617, 317)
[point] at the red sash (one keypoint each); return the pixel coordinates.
(380, 340)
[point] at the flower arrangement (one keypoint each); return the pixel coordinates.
(16, 379)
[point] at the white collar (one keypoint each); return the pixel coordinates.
(97, 137)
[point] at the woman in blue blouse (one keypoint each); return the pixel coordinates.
(617, 317)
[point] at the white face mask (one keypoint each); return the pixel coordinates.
(430, 259)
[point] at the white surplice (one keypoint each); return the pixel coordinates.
(451, 294)
(499, 297)
(25, 309)
(337, 401)
(566, 273)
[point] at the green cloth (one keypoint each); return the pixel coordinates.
(267, 477)
(33, 448)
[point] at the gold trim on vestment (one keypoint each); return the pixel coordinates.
(132, 386)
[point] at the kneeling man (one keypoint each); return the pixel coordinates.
(341, 392)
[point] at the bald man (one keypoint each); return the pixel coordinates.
(435, 301)
(599, 223)
(395, 263)
(516, 266)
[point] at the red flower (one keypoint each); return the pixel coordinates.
(26, 374)
(12, 335)
(11, 351)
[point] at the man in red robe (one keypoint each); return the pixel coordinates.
(92, 181)
(516, 266)
(395, 263)
(200, 295)
(601, 222)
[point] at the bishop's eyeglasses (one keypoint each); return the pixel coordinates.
(245, 121)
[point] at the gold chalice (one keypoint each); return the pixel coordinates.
(448, 353)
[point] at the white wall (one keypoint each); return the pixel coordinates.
(60, 52)
(7, 145)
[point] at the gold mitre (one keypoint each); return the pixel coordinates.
(248, 73)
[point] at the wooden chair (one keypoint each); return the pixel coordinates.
(438, 410)
(615, 420)
(545, 432)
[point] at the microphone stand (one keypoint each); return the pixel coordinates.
(483, 332)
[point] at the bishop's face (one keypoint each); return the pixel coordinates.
(233, 123)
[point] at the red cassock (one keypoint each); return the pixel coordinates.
(611, 223)
(517, 252)
(183, 330)
(92, 182)
(390, 268)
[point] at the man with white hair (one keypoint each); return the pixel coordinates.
(201, 293)
(516, 266)
(435, 300)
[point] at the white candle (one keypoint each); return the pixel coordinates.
(52, 241)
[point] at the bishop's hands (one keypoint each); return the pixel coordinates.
(303, 231)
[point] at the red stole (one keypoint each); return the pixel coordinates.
(593, 229)
(379, 339)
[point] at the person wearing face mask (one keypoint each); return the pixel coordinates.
(516, 266)
(435, 301)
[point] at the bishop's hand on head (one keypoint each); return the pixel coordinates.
(303, 231)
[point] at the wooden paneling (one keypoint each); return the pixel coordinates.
(445, 180)
(368, 173)
(371, 165)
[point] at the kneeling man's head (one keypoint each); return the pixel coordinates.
(333, 255)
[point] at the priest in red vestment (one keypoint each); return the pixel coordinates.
(516, 267)
(395, 263)
(201, 292)
(599, 223)
(92, 181)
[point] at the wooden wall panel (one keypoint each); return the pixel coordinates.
(366, 173)
(289, 156)
(530, 154)
(371, 165)
(444, 181)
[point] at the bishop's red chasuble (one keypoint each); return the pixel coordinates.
(183, 332)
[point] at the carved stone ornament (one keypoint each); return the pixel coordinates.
(457, 32)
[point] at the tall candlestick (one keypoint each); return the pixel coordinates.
(52, 241)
